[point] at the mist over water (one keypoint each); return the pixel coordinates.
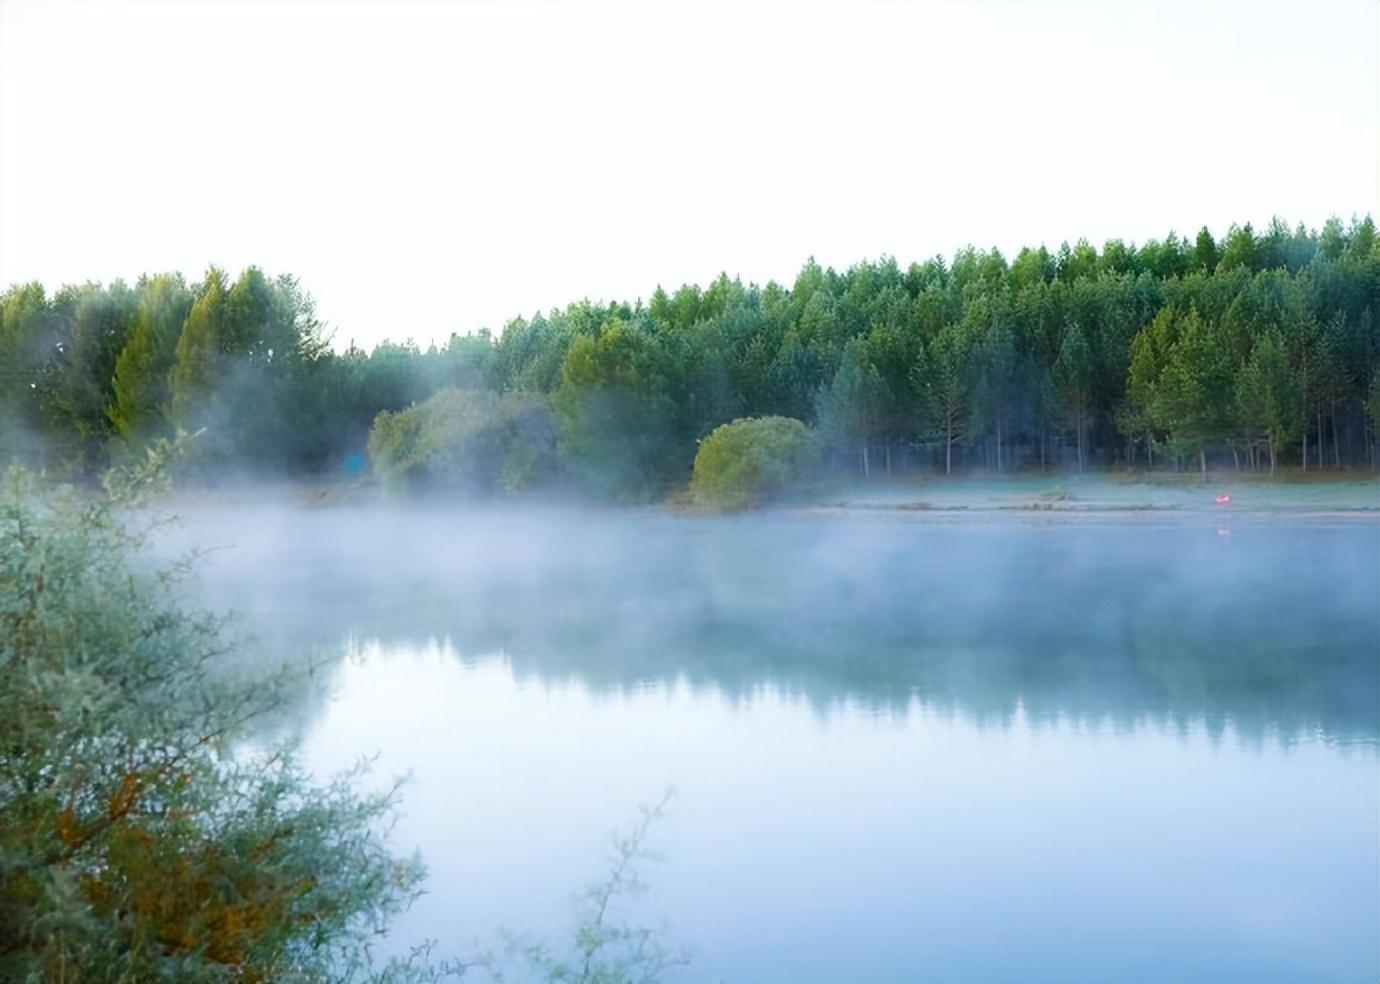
(904, 747)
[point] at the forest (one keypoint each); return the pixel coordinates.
(1257, 351)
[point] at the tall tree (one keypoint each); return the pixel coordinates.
(140, 407)
(98, 322)
(1267, 395)
(28, 353)
(1149, 355)
(1194, 395)
(996, 382)
(943, 379)
(1074, 375)
(1205, 252)
(617, 423)
(197, 353)
(851, 409)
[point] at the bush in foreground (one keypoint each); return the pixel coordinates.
(133, 844)
(747, 461)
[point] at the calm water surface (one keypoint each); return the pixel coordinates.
(921, 749)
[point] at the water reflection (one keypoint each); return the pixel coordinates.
(1274, 629)
(904, 750)
(867, 842)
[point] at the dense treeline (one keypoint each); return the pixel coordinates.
(1253, 351)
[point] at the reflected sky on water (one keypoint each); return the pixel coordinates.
(987, 748)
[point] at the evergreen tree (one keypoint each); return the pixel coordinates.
(851, 410)
(1074, 375)
(1194, 393)
(1267, 395)
(197, 353)
(142, 388)
(943, 377)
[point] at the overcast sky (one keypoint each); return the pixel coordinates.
(435, 168)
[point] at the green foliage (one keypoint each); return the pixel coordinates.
(466, 440)
(1205, 252)
(1149, 352)
(943, 377)
(1373, 402)
(96, 324)
(27, 343)
(1075, 375)
(238, 372)
(1269, 399)
(142, 393)
(1066, 357)
(198, 347)
(1193, 397)
(747, 461)
(617, 419)
(851, 412)
(138, 841)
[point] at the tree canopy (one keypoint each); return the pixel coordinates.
(1256, 347)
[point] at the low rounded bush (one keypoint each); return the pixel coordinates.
(466, 439)
(748, 461)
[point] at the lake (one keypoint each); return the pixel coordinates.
(903, 747)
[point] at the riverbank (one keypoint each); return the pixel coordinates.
(1228, 493)
(1066, 495)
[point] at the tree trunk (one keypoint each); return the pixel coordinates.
(1320, 436)
(1272, 456)
(949, 451)
(1305, 447)
(867, 472)
(1080, 438)
(1336, 445)
(1202, 462)
(887, 445)
(1236, 457)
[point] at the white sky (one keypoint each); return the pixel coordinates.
(435, 168)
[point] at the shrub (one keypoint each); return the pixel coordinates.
(466, 439)
(138, 839)
(749, 460)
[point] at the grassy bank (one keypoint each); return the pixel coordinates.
(1327, 492)
(1108, 492)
